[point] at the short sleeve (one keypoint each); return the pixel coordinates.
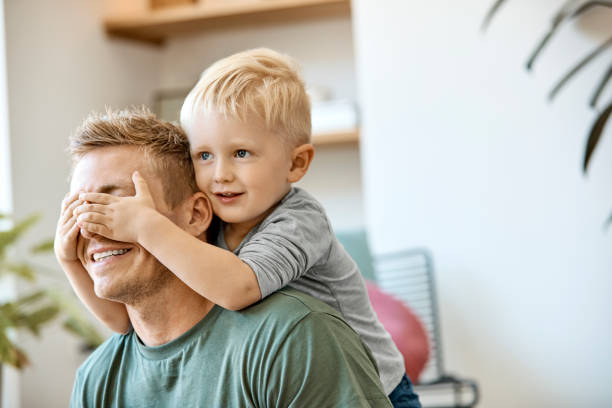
(291, 241)
(323, 363)
(77, 399)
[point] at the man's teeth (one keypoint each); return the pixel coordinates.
(102, 255)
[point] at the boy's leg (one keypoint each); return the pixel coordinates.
(403, 396)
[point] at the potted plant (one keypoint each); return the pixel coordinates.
(39, 306)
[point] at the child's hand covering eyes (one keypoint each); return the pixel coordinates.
(116, 218)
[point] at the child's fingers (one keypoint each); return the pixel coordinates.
(95, 228)
(98, 198)
(67, 213)
(73, 231)
(140, 184)
(68, 199)
(84, 208)
(92, 217)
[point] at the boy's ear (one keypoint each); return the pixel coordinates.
(199, 214)
(301, 158)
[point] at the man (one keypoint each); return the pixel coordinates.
(288, 350)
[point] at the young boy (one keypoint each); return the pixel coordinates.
(248, 125)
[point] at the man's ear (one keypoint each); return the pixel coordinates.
(199, 214)
(301, 158)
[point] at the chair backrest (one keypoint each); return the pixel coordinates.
(409, 276)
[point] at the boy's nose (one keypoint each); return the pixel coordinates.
(223, 173)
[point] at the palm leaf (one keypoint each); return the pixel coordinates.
(581, 64)
(564, 12)
(595, 135)
(492, 11)
(602, 84)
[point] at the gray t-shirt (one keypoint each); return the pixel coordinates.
(295, 246)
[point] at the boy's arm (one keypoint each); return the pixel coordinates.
(112, 314)
(215, 273)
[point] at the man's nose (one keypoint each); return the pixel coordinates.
(224, 172)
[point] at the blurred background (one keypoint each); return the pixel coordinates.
(428, 133)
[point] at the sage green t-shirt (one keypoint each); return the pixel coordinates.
(289, 350)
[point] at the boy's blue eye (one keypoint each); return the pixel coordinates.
(205, 156)
(242, 153)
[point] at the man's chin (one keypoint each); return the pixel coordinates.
(107, 293)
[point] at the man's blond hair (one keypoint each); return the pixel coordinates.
(260, 81)
(163, 143)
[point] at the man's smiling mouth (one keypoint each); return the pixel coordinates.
(99, 256)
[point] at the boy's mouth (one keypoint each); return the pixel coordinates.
(227, 197)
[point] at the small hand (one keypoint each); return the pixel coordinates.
(115, 217)
(67, 230)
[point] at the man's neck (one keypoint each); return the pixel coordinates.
(170, 313)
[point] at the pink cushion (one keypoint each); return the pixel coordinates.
(405, 328)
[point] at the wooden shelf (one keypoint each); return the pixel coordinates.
(347, 136)
(154, 26)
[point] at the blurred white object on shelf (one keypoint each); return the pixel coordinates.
(333, 116)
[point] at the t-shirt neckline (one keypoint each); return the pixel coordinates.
(180, 343)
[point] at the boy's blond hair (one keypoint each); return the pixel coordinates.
(164, 144)
(258, 81)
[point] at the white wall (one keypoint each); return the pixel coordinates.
(5, 177)
(9, 378)
(323, 47)
(60, 67)
(462, 154)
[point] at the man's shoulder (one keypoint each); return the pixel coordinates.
(292, 304)
(285, 310)
(102, 356)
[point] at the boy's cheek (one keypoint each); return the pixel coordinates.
(202, 182)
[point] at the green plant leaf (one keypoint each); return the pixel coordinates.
(31, 298)
(36, 319)
(22, 270)
(11, 354)
(8, 237)
(45, 246)
(84, 330)
(33, 311)
(76, 320)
